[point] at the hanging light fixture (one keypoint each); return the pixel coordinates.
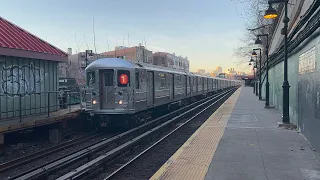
(270, 13)
(254, 53)
(258, 41)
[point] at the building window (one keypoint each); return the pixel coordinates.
(307, 61)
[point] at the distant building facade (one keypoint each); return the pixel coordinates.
(201, 71)
(76, 65)
(136, 53)
(218, 70)
(163, 59)
(231, 71)
(170, 60)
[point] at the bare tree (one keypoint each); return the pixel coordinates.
(253, 11)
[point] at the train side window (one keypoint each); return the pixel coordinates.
(137, 83)
(91, 78)
(178, 83)
(163, 82)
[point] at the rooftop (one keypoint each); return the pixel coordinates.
(17, 42)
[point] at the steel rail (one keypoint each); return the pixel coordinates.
(90, 166)
(45, 152)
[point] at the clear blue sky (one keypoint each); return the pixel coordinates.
(206, 31)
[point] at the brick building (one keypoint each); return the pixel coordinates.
(162, 59)
(136, 53)
(75, 66)
(170, 60)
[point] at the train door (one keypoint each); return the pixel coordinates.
(186, 85)
(191, 85)
(150, 88)
(217, 84)
(172, 86)
(212, 84)
(197, 84)
(107, 91)
(202, 79)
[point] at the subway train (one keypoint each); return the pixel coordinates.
(120, 92)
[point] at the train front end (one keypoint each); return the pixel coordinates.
(108, 94)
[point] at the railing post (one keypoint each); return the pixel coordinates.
(48, 104)
(20, 107)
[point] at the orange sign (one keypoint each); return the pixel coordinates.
(123, 79)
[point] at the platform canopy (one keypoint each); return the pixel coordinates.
(17, 42)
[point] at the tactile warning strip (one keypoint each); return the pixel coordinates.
(193, 158)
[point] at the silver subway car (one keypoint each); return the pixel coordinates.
(109, 87)
(119, 87)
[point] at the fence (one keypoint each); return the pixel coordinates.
(26, 104)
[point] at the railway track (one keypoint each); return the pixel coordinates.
(90, 167)
(9, 165)
(45, 152)
(87, 159)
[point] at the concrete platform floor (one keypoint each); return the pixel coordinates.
(248, 146)
(253, 147)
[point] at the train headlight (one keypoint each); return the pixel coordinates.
(94, 102)
(120, 102)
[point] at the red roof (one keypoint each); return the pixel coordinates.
(15, 41)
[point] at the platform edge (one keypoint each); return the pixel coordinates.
(162, 170)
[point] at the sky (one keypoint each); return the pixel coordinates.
(205, 31)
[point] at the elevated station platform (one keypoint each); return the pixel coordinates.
(242, 141)
(15, 124)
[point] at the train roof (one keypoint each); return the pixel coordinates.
(161, 68)
(122, 63)
(111, 62)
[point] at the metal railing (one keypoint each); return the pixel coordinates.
(21, 105)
